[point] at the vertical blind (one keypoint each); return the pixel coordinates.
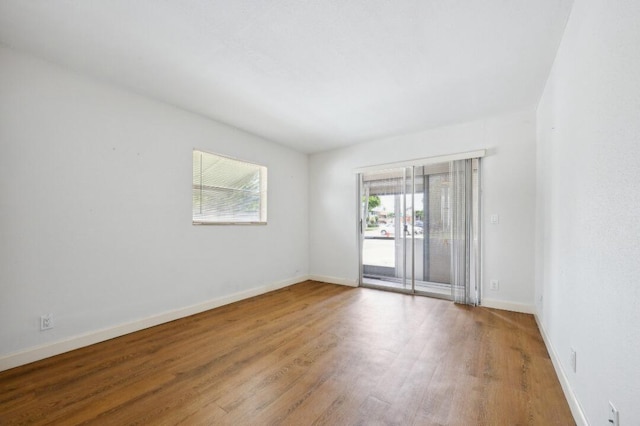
(465, 249)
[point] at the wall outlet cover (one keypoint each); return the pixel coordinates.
(46, 322)
(614, 416)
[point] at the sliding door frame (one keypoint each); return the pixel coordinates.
(362, 207)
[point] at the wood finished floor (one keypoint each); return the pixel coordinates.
(312, 353)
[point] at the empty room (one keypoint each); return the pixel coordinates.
(412, 212)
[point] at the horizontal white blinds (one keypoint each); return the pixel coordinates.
(227, 190)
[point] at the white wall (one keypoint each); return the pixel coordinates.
(95, 208)
(509, 190)
(588, 197)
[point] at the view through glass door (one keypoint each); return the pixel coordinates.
(387, 206)
(407, 229)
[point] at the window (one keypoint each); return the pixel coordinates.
(227, 191)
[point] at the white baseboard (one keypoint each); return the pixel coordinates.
(508, 306)
(51, 349)
(574, 405)
(334, 280)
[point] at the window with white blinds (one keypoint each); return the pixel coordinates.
(228, 191)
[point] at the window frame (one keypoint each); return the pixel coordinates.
(261, 192)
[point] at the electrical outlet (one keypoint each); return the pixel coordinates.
(614, 416)
(573, 360)
(494, 285)
(46, 322)
(494, 219)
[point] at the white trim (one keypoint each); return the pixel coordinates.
(334, 280)
(574, 404)
(507, 306)
(424, 161)
(48, 350)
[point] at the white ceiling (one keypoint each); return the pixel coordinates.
(312, 75)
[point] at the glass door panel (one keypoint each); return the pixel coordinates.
(386, 260)
(405, 243)
(433, 271)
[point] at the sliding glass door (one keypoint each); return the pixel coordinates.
(419, 227)
(387, 206)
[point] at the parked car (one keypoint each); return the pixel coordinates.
(388, 230)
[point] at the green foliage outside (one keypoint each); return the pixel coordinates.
(374, 201)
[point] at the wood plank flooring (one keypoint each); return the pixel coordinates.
(310, 354)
